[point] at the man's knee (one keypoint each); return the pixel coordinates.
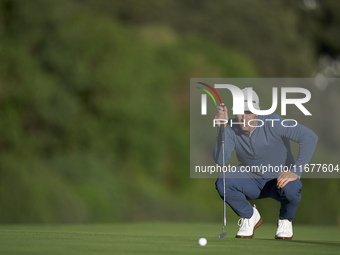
(230, 185)
(292, 191)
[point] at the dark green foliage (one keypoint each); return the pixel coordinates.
(95, 115)
(94, 102)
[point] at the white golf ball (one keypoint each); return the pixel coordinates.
(202, 241)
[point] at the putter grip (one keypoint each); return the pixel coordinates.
(222, 132)
(222, 128)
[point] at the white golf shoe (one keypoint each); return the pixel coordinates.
(284, 230)
(248, 226)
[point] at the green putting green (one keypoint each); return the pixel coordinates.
(163, 238)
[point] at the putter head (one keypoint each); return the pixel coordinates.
(222, 235)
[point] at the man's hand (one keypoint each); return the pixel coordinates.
(222, 113)
(284, 178)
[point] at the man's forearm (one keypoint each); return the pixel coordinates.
(228, 147)
(306, 150)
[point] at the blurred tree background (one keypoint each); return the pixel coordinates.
(94, 101)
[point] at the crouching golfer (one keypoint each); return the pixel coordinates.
(267, 145)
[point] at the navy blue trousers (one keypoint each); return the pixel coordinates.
(238, 190)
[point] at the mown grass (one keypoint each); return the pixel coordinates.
(162, 238)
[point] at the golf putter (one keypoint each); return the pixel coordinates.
(223, 234)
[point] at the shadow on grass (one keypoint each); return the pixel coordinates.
(333, 243)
